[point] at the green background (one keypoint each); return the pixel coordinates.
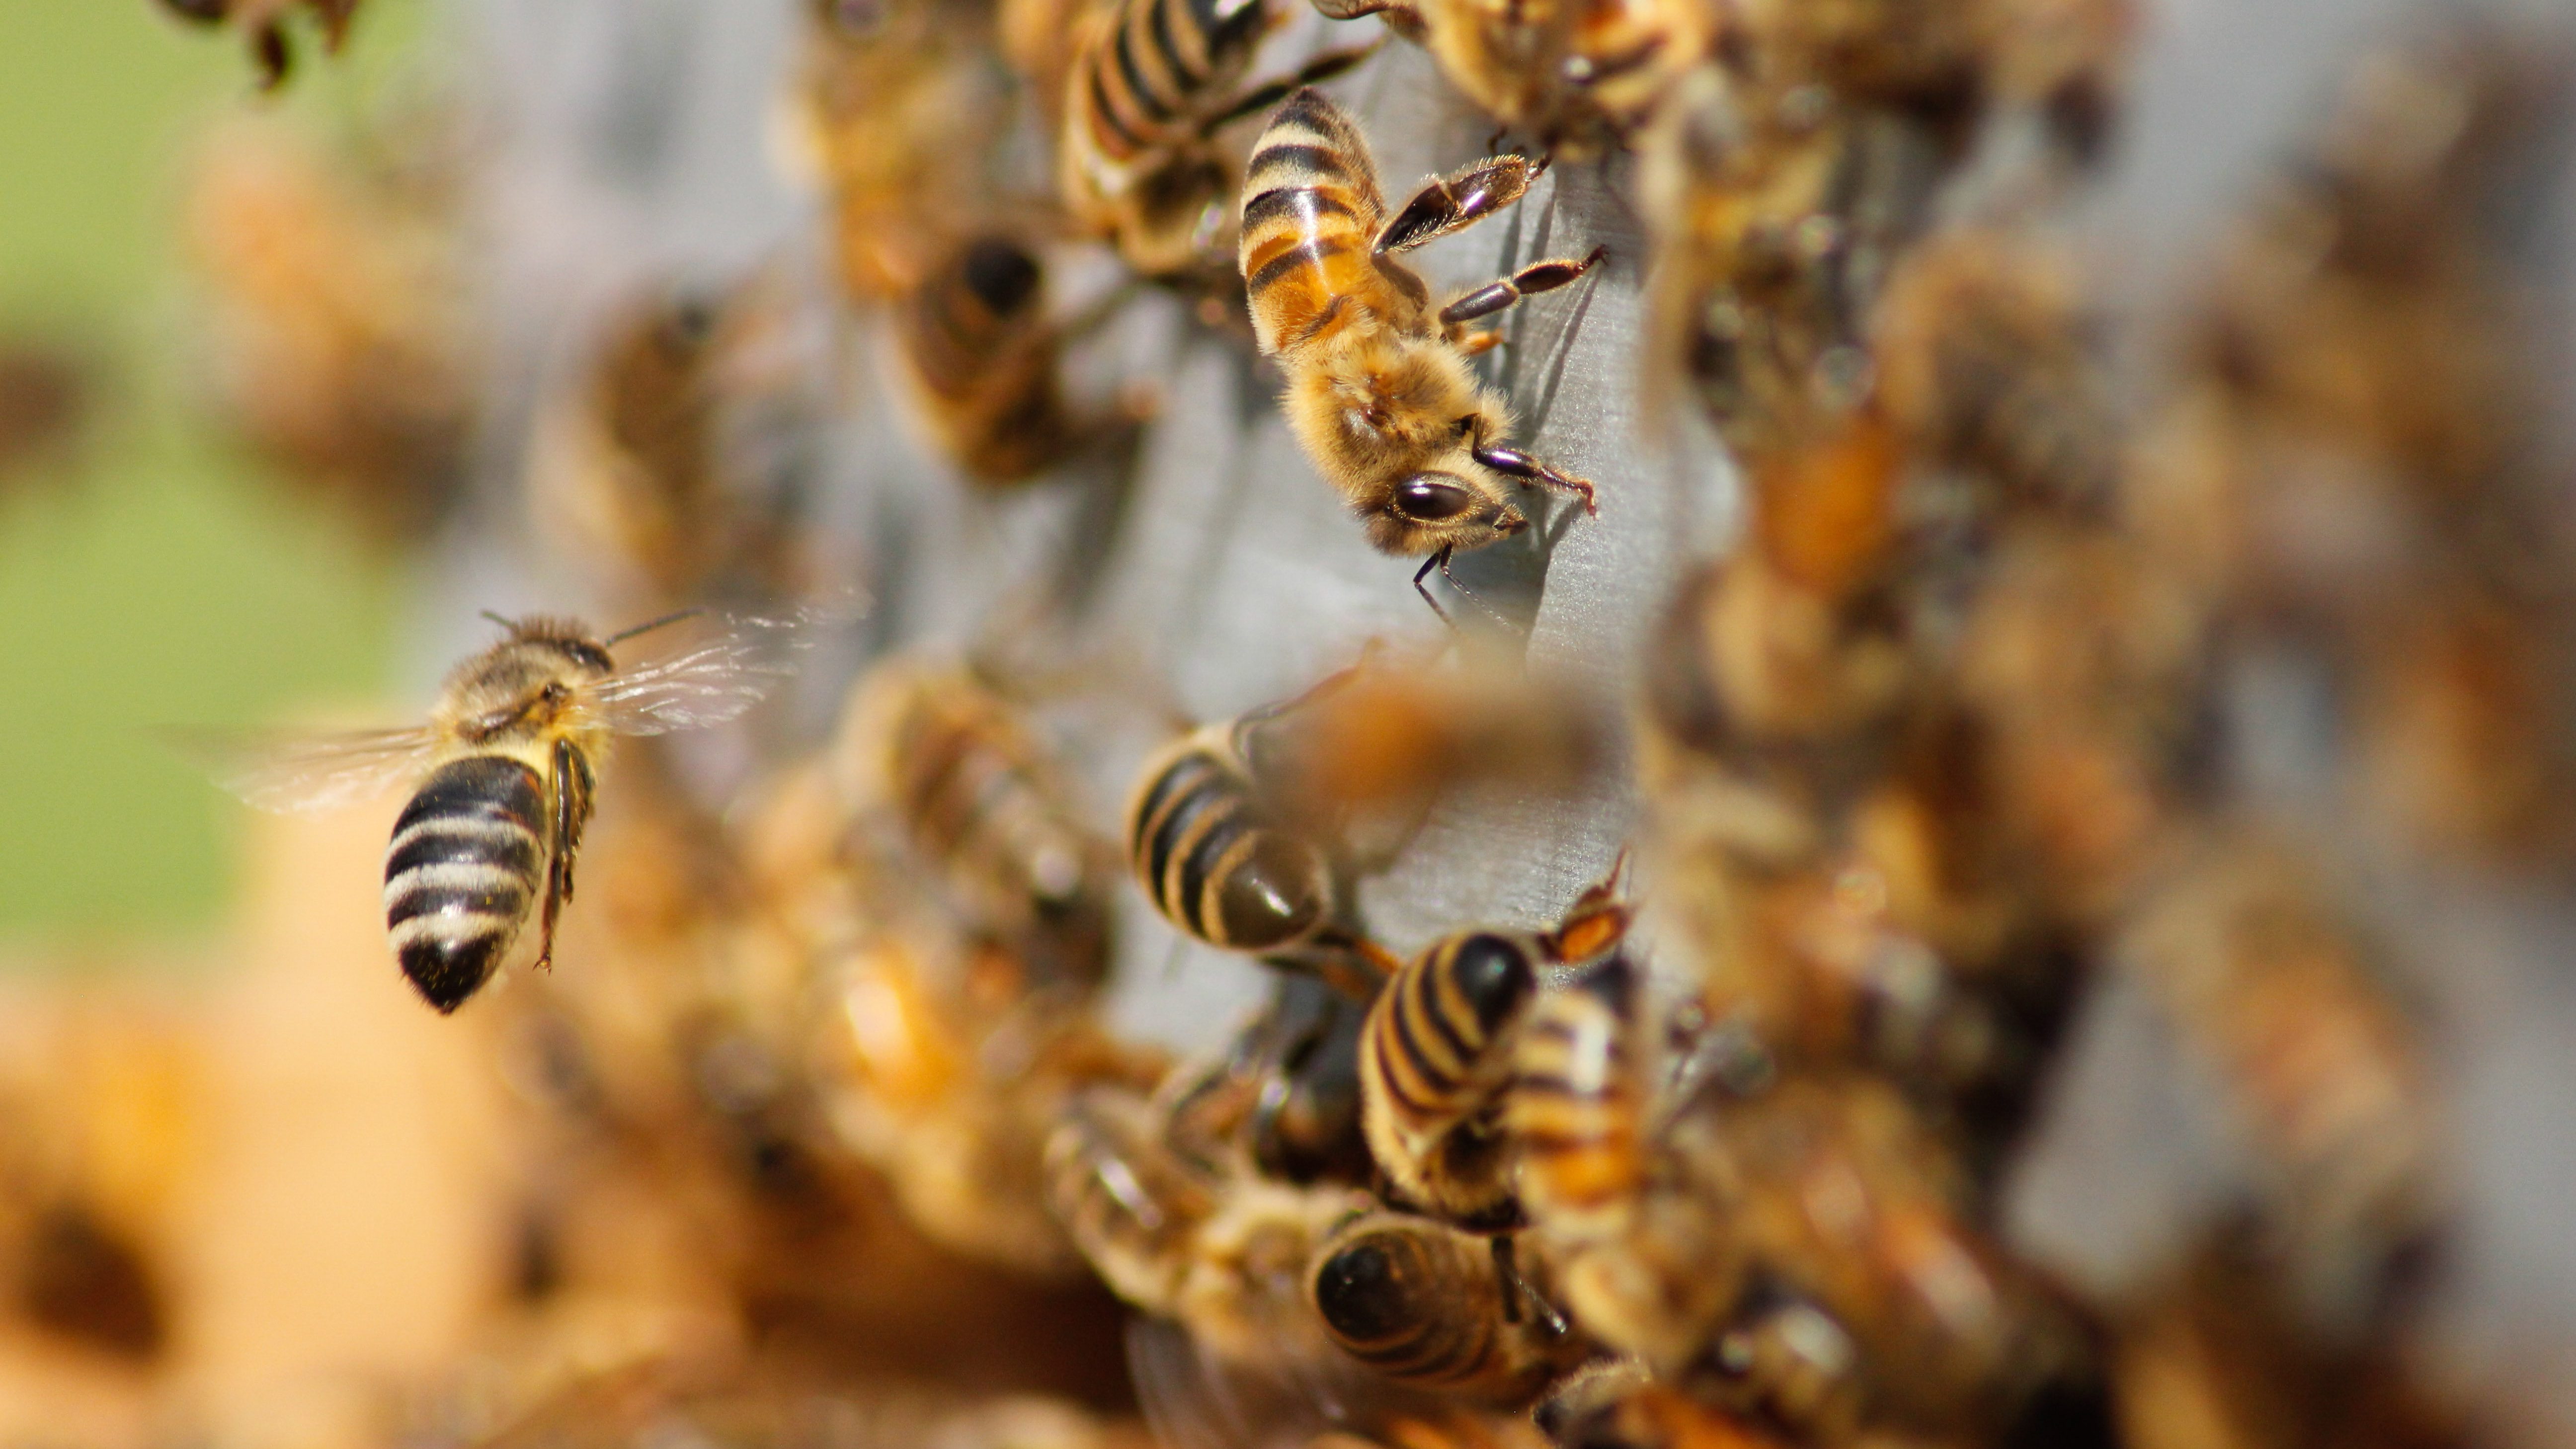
(158, 579)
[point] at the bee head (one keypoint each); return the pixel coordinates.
(1457, 508)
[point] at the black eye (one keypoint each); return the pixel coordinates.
(1426, 501)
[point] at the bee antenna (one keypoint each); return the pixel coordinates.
(511, 624)
(625, 634)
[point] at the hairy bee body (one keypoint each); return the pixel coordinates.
(1429, 1306)
(1576, 1110)
(1215, 860)
(1580, 75)
(1379, 391)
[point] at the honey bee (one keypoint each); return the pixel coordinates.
(976, 796)
(1618, 1405)
(1579, 76)
(1436, 1058)
(506, 766)
(1432, 1307)
(1225, 858)
(654, 467)
(1215, 1249)
(1379, 392)
(982, 357)
(1285, 1094)
(1152, 82)
(904, 105)
(263, 22)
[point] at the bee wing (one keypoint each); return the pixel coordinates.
(313, 773)
(710, 682)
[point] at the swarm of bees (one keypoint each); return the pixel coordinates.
(1732, 1140)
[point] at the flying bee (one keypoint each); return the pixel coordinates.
(978, 797)
(1379, 391)
(506, 768)
(264, 23)
(1152, 83)
(982, 356)
(1228, 861)
(1431, 1307)
(1436, 1058)
(1581, 75)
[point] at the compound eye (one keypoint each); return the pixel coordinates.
(1426, 500)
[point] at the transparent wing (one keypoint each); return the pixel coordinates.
(309, 774)
(712, 681)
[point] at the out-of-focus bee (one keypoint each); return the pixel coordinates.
(507, 766)
(340, 349)
(1286, 1092)
(976, 797)
(1775, 226)
(1437, 1056)
(263, 23)
(1432, 1307)
(1618, 1405)
(983, 357)
(1379, 391)
(1580, 75)
(48, 391)
(658, 468)
(904, 103)
(1152, 83)
(1219, 1251)
(1226, 859)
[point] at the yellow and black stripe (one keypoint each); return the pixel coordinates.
(1311, 212)
(1212, 859)
(469, 857)
(1160, 69)
(1435, 1058)
(1575, 1105)
(1429, 1306)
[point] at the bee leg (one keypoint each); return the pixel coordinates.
(269, 48)
(1506, 1276)
(1513, 463)
(1314, 72)
(1439, 561)
(572, 811)
(1597, 921)
(1477, 344)
(1529, 281)
(1459, 200)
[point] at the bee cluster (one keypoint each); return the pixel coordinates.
(1687, 949)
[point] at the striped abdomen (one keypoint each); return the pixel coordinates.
(1160, 67)
(1311, 209)
(1575, 1104)
(1214, 864)
(1427, 1305)
(976, 338)
(976, 799)
(466, 864)
(1434, 1057)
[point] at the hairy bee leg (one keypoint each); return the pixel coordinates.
(1513, 463)
(1439, 561)
(1529, 281)
(269, 48)
(1598, 920)
(1477, 344)
(1459, 200)
(1314, 72)
(571, 808)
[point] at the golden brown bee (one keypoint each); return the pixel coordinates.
(1432, 1307)
(1151, 84)
(1437, 1056)
(1286, 1093)
(1580, 75)
(1574, 1113)
(657, 468)
(1378, 388)
(982, 356)
(977, 797)
(904, 104)
(263, 22)
(507, 765)
(1217, 1250)
(1228, 859)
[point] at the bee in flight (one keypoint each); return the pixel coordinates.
(506, 768)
